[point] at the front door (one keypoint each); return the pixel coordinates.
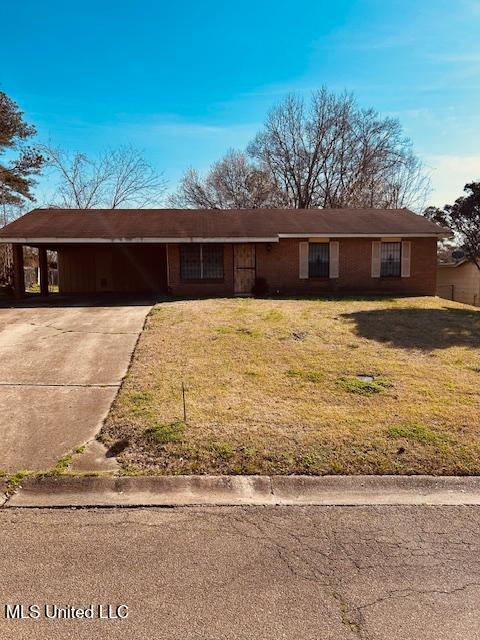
(244, 267)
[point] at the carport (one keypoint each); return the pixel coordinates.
(109, 253)
(97, 268)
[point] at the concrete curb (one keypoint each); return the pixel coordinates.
(167, 491)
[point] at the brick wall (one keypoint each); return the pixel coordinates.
(278, 264)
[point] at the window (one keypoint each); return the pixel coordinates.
(201, 262)
(318, 259)
(212, 261)
(390, 256)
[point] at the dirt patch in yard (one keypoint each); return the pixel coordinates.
(302, 386)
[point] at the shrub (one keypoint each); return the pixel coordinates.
(260, 288)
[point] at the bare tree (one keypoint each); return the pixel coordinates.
(330, 153)
(118, 178)
(232, 183)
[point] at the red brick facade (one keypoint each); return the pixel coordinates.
(125, 251)
(278, 264)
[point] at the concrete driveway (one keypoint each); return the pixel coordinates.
(60, 369)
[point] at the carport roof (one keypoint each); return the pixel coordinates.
(199, 225)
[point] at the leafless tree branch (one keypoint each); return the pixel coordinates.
(232, 183)
(118, 178)
(330, 153)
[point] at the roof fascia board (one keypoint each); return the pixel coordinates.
(362, 235)
(143, 240)
(29, 239)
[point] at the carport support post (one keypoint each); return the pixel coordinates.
(18, 272)
(43, 264)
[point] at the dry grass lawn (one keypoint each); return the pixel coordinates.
(271, 387)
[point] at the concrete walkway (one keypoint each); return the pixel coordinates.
(60, 369)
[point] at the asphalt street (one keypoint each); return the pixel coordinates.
(319, 573)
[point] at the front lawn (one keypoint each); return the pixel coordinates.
(302, 386)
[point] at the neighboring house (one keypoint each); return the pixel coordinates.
(218, 253)
(459, 280)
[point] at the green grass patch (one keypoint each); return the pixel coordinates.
(139, 402)
(312, 460)
(62, 466)
(131, 470)
(274, 315)
(414, 432)
(352, 384)
(309, 375)
(223, 449)
(164, 433)
(15, 480)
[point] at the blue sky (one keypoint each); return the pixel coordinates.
(185, 81)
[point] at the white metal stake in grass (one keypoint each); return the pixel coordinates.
(184, 405)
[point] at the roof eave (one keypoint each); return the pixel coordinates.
(138, 240)
(397, 234)
(207, 239)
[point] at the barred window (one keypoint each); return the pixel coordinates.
(190, 262)
(201, 262)
(318, 259)
(391, 258)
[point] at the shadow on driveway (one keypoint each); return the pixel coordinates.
(56, 300)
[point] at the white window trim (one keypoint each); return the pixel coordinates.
(406, 259)
(334, 260)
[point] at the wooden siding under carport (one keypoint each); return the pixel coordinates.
(116, 268)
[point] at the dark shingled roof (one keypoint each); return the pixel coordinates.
(64, 224)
